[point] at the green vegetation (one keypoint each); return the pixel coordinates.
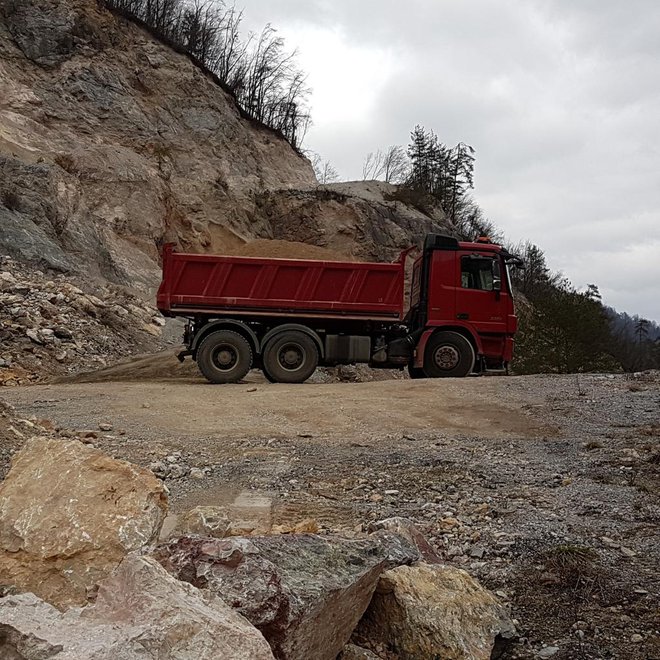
(562, 329)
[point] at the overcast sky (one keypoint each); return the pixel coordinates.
(560, 99)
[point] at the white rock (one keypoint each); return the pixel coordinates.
(140, 612)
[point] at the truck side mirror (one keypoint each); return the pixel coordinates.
(497, 284)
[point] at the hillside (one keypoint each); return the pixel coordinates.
(365, 219)
(112, 143)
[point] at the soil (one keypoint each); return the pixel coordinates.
(543, 487)
(276, 249)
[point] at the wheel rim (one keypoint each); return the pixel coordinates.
(225, 357)
(291, 357)
(446, 357)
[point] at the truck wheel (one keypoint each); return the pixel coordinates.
(224, 357)
(448, 355)
(290, 357)
(416, 372)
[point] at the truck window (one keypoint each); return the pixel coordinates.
(477, 273)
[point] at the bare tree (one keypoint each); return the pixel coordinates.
(258, 71)
(323, 169)
(391, 165)
(372, 167)
(396, 165)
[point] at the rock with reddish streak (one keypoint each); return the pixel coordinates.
(305, 593)
(140, 612)
(408, 530)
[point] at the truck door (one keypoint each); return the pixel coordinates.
(442, 287)
(478, 300)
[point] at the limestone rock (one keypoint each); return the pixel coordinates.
(205, 521)
(177, 620)
(141, 612)
(45, 33)
(435, 611)
(140, 151)
(304, 593)
(48, 325)
(68, 516)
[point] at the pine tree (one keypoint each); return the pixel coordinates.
(461, 173)
(419, 153)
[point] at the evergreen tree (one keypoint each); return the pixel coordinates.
(420, 154)
(460, 163)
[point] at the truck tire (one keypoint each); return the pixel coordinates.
(224, 356)
(416, 372)
(448, 355)
(290, 357)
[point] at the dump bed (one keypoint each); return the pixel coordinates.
(222, 285)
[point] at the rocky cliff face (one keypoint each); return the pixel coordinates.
(111, 142)
(369, 220)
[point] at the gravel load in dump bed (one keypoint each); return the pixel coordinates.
(288, 250)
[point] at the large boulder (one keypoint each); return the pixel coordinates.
(141, 612)
(204, 521)
(434, 611)
(352, 652)
(407, 529)
(305, 593)
(69, 514)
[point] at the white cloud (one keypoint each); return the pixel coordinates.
(560, 98)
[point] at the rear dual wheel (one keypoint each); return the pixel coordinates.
(224, 356)
(290, 357)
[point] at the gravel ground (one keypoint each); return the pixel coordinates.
(544, 487)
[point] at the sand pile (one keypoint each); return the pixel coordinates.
(274, 249)
(156, 366)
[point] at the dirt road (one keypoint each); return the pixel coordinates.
(184, 410)
(546, 488)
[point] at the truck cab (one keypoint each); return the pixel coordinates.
(464, 289)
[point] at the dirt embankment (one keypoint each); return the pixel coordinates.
(274, 249)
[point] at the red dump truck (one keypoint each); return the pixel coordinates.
(288, 316)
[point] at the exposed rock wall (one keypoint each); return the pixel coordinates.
(364, 219)
(111, 142)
